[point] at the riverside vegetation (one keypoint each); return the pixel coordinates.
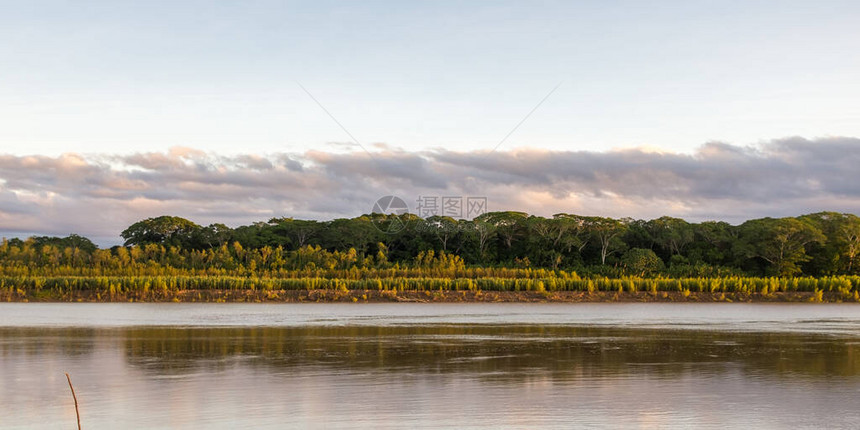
(499, 256)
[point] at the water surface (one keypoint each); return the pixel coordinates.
(430, 365)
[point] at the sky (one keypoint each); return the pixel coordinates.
(236, 112)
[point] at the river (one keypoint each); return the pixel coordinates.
(393, 366)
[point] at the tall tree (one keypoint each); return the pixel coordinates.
(553, 239)
(211, 236)
(481, 234)
(442, 228)
(849, 235)
(509, 225)
(838, 253)
(606, 232)
(781, 242)
(713, 242)
(297, 232)
(165, 230)
(671, 234)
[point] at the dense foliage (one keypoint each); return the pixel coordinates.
(821, 244)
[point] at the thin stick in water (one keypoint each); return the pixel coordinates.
(78, 414)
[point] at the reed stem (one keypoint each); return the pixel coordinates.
(77, 413)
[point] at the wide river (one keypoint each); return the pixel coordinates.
(404, 366)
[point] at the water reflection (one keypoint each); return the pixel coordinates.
(561, 352)
(425, 375)
(513, 351)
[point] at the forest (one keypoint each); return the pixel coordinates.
(498, 251)
(820, 244)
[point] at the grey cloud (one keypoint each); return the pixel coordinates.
(11, 205)
(103, 193)
(416, 168)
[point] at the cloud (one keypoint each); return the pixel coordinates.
(101, 194)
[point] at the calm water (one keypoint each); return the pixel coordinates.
(415, 365)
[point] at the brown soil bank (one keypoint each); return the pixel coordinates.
(376, 296)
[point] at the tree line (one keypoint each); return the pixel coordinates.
(819, 244)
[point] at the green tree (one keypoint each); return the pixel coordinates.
(167, 230)
(509, 227)
(838, 253)
(296, 233)
(642, 262)
(781, 242)
(480, 233)
(211, 236)
(73, 241)
(671, 234)
(553, 239)
(849, 236)
(713, 242)
(442, 228)
(606, 233)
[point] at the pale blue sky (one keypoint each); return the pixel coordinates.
(101, 101)
(120, 77)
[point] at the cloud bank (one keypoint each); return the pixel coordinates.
(98, 195)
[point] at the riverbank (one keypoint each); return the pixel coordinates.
(377, 296)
